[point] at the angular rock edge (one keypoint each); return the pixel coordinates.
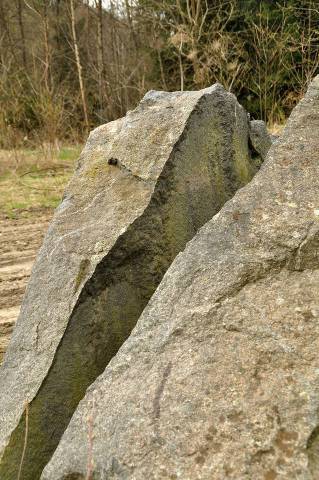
(219, 379)
(143, 187)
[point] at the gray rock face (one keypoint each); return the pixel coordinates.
(143, 187)
(260, 139)
(220, 377)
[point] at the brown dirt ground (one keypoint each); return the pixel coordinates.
(20, 239)
(31, 186)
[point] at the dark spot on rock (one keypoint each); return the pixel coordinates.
(307, 315)
(234, 416)
(200, 460)
(285, 161)
(177, 332)
(285, 440)
(158, 395)
(281, 462)
(236, 215)
(217, 447)
(270, 475)
(212, 429)
(204, 450)
(112, 161)
(228, 470)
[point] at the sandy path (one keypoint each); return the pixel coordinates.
(20, 240)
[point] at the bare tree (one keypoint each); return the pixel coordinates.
(45, 22)
(69, 64)
(79, 66)
(100, 53)
(22, 34)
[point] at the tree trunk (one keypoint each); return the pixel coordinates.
(21, 26)
(45, 22)
(79, 66)
(100, 54)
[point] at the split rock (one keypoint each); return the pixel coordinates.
(143, 187)
(220, 377)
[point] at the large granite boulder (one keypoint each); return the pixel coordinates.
(143, 187)
(220, 377)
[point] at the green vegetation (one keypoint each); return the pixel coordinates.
(69, 65)
(35, 179)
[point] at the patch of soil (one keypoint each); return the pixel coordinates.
(20, 240)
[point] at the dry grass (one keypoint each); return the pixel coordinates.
(34, 179)
(276, 128)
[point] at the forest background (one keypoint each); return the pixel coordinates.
(67, 66)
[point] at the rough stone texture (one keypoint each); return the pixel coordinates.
(260, 139)
(220, 377)
(143, 187)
